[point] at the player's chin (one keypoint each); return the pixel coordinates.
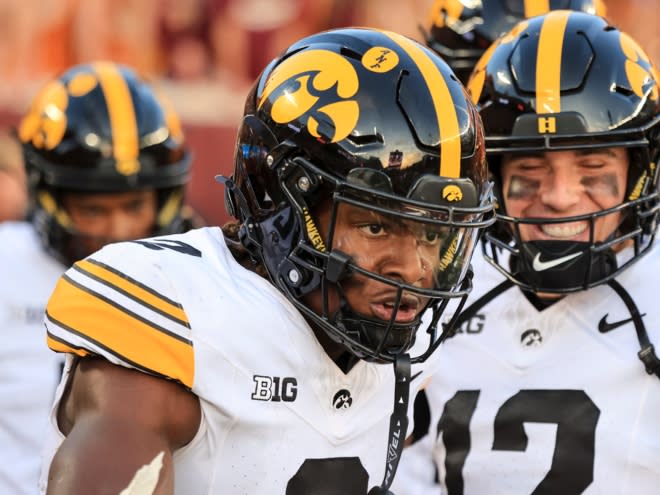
(398, 341)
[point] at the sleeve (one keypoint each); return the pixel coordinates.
(122, 310)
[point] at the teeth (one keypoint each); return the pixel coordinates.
(563, 231)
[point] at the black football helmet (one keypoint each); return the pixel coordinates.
(461, 30)
(604, 93)
(374, 120)
(99, 128)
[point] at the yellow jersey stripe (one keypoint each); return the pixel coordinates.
(126, 334)
(132, 288)
(59, 345)
(548, 62)
(121, 112)
(536, 7)
(450, 139)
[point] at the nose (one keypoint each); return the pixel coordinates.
(406, 261)
(561, 190)
(121, 226)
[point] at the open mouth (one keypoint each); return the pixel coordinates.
(564, 230)
(406, 312)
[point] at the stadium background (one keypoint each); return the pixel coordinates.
(204, 54)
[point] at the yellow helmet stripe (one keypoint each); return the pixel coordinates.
(536, 7)
(450, 139)
(85, 314)
(133, 289)
(548, 62)
(121, 112)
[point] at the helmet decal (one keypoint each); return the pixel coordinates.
(445, 111)
(380, 59)
(445, 13)
(123, 122)
(317, 72)
(639, 69)
(313, 233)
(45, 124)
(81, 84)
(548, 62)
(452, 193)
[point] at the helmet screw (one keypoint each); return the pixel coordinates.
(294, 276)
(269, 160)
(304, 184)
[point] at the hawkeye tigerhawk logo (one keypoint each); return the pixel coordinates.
(642, 75)
(316, 89)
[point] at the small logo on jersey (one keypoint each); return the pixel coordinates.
(541, 266)
(342, 399)
(531, 338)
(604, 326)
(274, 388)
(473, 325)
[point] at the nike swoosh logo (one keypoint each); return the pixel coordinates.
(540, 266)
(604, 326)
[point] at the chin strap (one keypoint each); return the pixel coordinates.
(398, 423)
(647, 352)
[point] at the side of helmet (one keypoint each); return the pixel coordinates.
(461, 30)
(350, 112)
(570, 81)
(100, 128)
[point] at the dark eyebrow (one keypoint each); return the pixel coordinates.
(599, 151)
(578, 152)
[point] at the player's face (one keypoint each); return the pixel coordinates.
(399, 250)
(564, 184)
(102, 218)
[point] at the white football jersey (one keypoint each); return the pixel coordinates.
(29, 371)
(278, 416)
(544, 402)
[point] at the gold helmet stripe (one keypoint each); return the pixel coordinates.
(121, 112)
(548, 62)
(536, 7)
(450, 138)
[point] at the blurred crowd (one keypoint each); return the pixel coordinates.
(185, 41)
(203, 54)
(189, 43)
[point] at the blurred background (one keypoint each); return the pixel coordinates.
(204, 54)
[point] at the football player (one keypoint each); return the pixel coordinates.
(106, 162)
(359, 187)
(461, 30)
(551, 383)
